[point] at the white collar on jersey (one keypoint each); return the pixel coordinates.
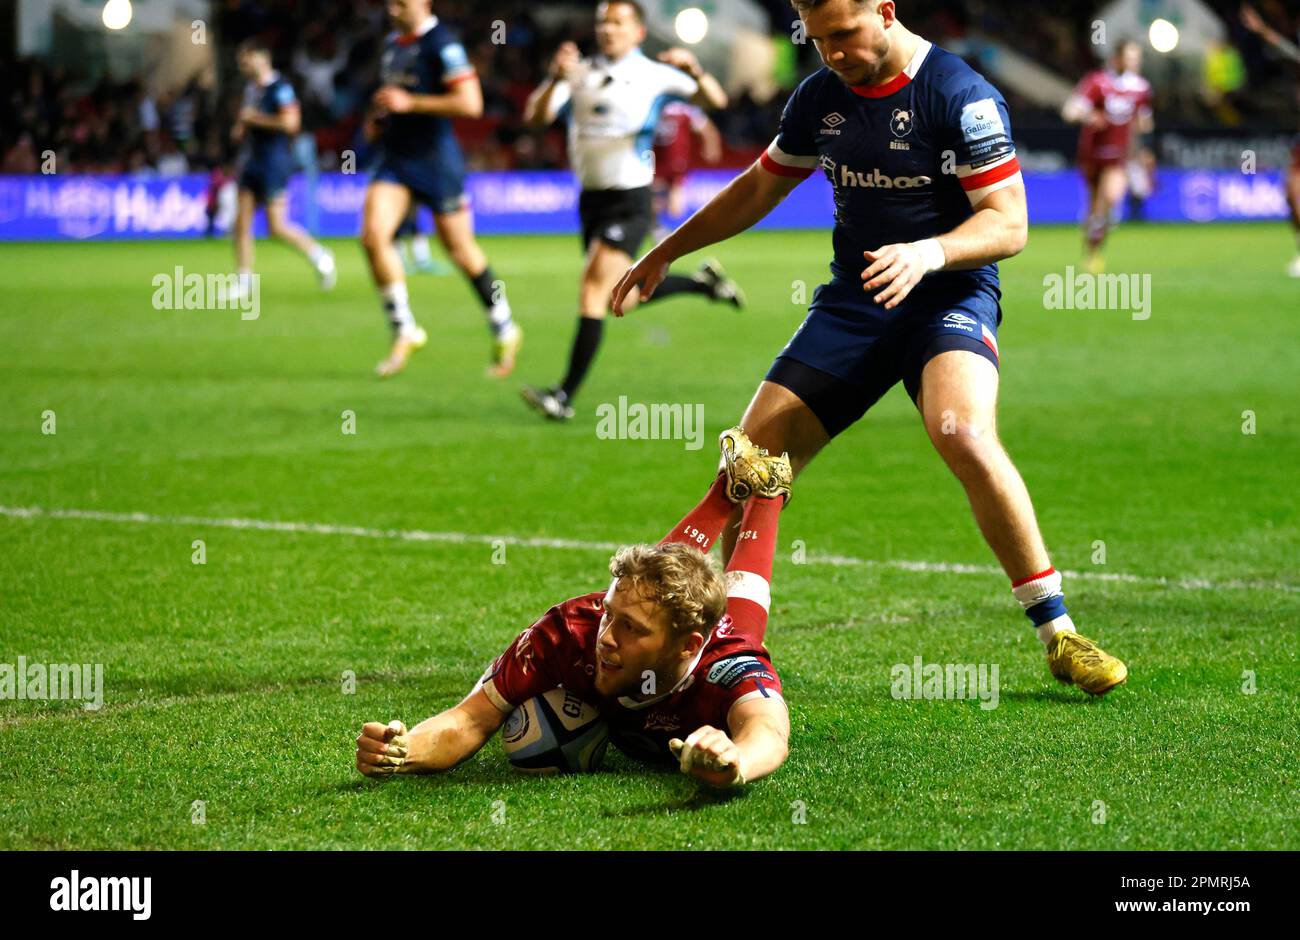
(272, 77)
(428, 23)
(600, 61)
(636, 704)
(1126, 81)
(918, 58)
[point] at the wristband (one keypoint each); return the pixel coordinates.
(932, 254)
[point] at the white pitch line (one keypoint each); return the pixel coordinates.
(467, 538)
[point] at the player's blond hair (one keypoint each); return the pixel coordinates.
(680, 578)
(803, 6)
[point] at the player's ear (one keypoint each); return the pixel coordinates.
(691, 645)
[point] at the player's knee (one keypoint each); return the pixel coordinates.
(968, 447)
(374, 238)
(594, 302)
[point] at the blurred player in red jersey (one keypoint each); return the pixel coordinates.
(1114, 106)
(671, 655)
(1291, 52)
(680, 125)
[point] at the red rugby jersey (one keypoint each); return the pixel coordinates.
(560, 650)
(1121, 98)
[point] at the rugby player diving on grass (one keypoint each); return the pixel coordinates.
(928, 198)
(714, 706)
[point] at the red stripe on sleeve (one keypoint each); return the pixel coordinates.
(773, 167)
(989, 177)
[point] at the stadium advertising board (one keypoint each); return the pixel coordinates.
(80, 208)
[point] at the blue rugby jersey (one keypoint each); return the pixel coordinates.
(908, 159)
(267, 147)
(426, 62)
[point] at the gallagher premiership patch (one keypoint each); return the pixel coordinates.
(727, 672)
(984, 133)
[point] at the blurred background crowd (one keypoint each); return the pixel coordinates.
(100, 110)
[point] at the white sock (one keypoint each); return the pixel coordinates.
(420, 250)
(1053, 627)
(1042, 589)
(245, 280)
(316, 253)
(397, 307)
(499, 318)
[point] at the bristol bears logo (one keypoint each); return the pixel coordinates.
(901, 122)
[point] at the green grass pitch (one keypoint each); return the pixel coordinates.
(224, 680)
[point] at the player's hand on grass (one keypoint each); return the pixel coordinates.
(896, 268)
(709, 755)
(648, 274)
(565, 60)
(393, 99)
(683, 59)
(381, 749)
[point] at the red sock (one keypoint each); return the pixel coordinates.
(704, 523)
(1097, 230)
(749, 573)
(756, 543)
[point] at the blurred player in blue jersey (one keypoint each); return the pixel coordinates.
(426, 81)
(267, 123)
(928, 197)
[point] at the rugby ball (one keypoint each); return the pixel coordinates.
(555, 732)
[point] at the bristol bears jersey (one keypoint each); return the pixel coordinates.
(613, 110)
(267, 146)
(1122, 99)
(908, 159)
(427, 62)
(560, 650)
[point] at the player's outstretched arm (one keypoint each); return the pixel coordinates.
(758, 744)
(710, 94)
(742, 203)
(1251, 19)
(288, 120)
(463, 100)
(1077, 109)
(544, 103)
(437, 743)
(998, 230)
